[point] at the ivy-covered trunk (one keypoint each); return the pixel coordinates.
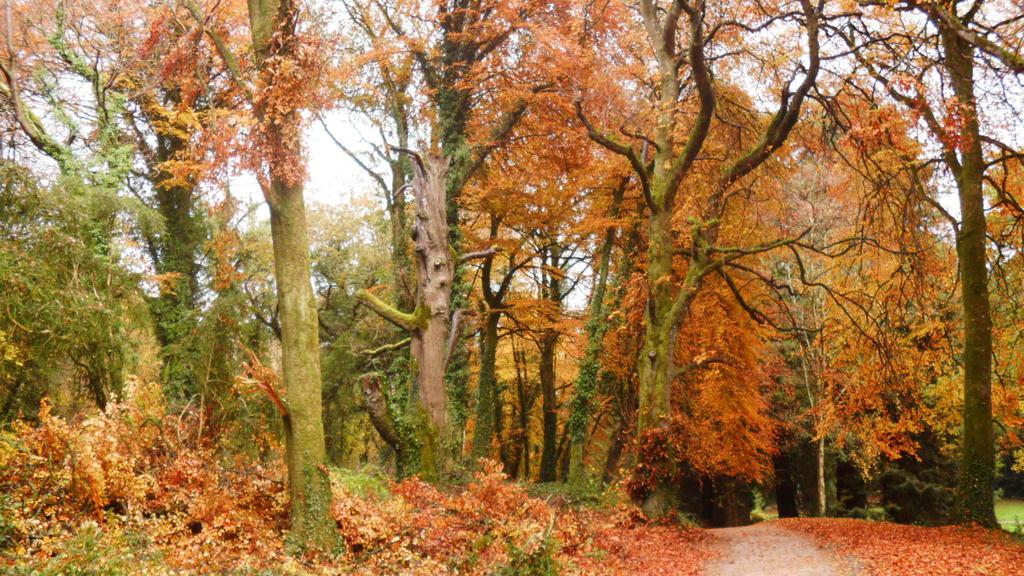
(174, 254)
(487, 413)
(582, 407)
(977, 467)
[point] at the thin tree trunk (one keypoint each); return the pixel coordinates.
(618, 443)
(586, 382)
(525, 403)
(821, 493)
(549, 447)
(487, 401)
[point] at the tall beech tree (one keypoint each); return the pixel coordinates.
(275, 48)
(953, 47)
(288, 70)
(681, 37)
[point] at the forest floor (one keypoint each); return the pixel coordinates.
(114, 494)
(766, 549)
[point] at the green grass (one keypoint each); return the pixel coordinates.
(1010, 513)
(366, 482)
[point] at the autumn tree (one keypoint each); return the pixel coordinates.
(667, 166)
(288, 72)
(138, 141)
(83, 135)
(456, 66)
(954, 49)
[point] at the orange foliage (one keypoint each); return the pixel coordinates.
(136, 470)
(135, 467)
(725, 413)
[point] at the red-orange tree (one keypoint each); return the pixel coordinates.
(675, 49)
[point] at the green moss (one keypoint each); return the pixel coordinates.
(311, 526)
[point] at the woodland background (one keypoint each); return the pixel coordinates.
(610, 268)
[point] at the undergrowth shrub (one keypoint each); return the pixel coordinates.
(136, 489)
(132, 469)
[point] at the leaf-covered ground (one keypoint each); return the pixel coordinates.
(131, 491)
(885, 549)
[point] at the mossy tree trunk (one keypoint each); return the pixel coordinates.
(959, 42)
(977, 467)
(272, 25)
(308, 482)
(666, 307)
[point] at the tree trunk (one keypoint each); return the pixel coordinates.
(435, 270)
(272, 25)
(487, 401)
(174, 251)
(822, 494)
(664, 312)
(618, 443)
(977, 468)
(309, 485)
(525, 403)
(431, 336)
(657, 353)
(401, 174)
(549, 399)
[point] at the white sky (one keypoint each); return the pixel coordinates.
(334, 178)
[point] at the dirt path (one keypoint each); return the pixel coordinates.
(767, 550)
